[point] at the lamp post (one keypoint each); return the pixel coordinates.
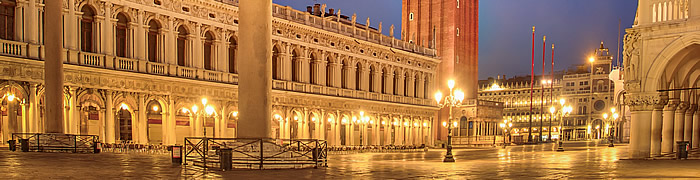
(590, 99)
(454, 99)
(208, 112)
(610, 119)
(563, 111)
(506, 130)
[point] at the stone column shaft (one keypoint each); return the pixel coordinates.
(679, 124)
(53, 70)
(256, 75)
(656, 128)
(688, 127)
(109, 118)
(695, 140)
(667, 127)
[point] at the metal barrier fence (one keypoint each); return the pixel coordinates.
(256, 153)
(375, 149)
(51, 142)
(130, 147)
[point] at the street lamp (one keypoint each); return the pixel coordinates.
(208, 112)
(563, 111)
(454, 99)
(610, 119)
(506, 130)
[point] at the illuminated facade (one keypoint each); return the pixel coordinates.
(585, 122)
(139, 71)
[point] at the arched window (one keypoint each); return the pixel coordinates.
(329, 72)
(153, 45)
(7, 19)
(86, 32)
(405, 84)
(295, 67)
(396, 82)
(344, 76)
(208, 50)
(415, 86)
(358, 76)
(312, 70)
(275, 65)
(181, 45)
(426, 86)
(232, 64)
(121, 35)
(383, 85)
(371, 79)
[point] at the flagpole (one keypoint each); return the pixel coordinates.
(544, 50)
(532, 80)
(551, 95)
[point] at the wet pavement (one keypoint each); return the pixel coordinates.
(581, 160)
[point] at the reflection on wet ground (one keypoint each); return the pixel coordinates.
(580, 160)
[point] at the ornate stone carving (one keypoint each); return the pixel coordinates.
(631, 55)
(642, 101)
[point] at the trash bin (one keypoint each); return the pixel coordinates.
(225, 159)
(176, 154)
(97, 147)
(682, 152)
(11, 144)
(24, 145)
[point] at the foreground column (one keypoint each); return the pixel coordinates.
(679, 123)
(667, 127)
(656, 125)
(688, 127)
(695, 141)
(53, 70)
(640, 125)
(255, 81)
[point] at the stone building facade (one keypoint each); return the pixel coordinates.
(146, 71)
(589, 92)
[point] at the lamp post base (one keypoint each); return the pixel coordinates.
(561, 147)
(448, 158)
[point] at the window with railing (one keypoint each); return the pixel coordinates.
(86, 29)
(7, 19)
(153, 39)
(121, 35)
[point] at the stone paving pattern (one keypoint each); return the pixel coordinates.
(581, 160)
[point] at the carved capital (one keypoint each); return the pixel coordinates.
(691, 109)
(663, 101)
(643, 101)
(672, 105)
(682, 106)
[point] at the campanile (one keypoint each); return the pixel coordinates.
(451, 27)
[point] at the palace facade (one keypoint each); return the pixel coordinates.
(156, 71)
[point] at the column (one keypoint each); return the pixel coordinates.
(667, 126)
(141, 125)
(72, 122)
(688, 129)
(33, 120)
(109, 118)
(695, 142)
(642, 105)
(421, 87)
(256, 75)
(223, 118)
(107, 35)
(657, 124)
(140, 39)
(679, 123)
(53, 75)
(164, 124)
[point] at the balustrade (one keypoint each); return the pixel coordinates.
(13, 48)
(157, 68)
(126, 64)
(212, 75)
(186, 72)
(92, 59)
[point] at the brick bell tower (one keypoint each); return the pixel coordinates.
(451, 27)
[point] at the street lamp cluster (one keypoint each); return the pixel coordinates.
(610, 119)
(208, 112)
(453, 100)
(506, 126)
(563, 111)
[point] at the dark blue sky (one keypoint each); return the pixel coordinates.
(505, 38)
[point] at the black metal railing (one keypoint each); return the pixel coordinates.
(376, 149)
(252, 153)
(52, 142)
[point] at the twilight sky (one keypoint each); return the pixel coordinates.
(505, 33)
